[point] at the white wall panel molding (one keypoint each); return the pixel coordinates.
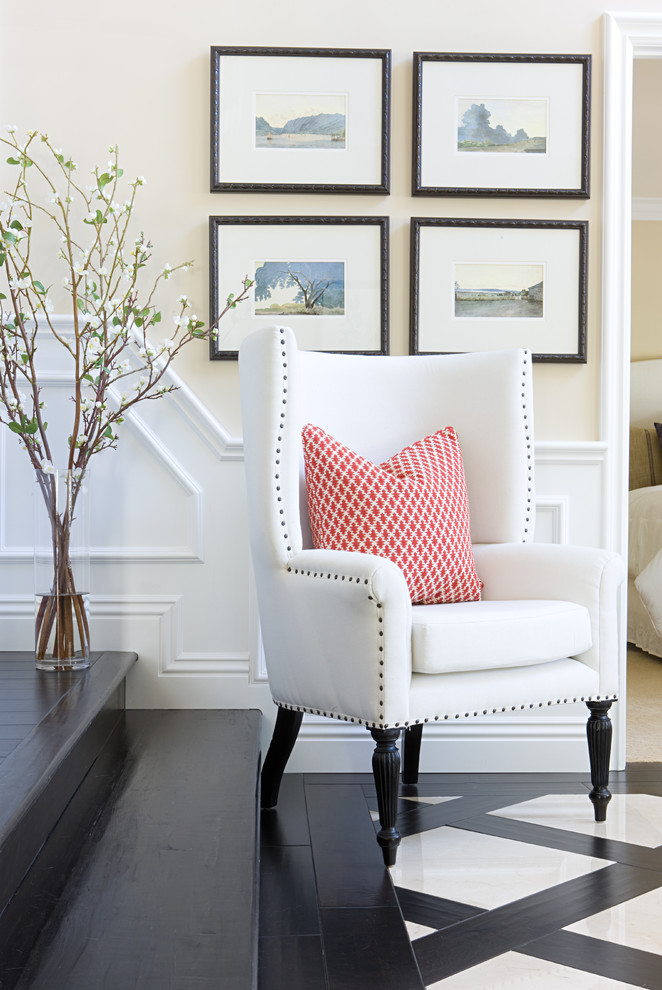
(552, 516)
(115, 621)
(192, 502)
(626, 36)
(647, 208)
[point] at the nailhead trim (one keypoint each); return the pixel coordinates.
(435, 718)
(279, 438)
(529, 446)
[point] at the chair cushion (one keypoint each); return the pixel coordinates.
(481, 635)
(412, 509)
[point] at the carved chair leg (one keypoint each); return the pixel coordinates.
(598, 732)
(386, 771)
(412, 752)
(282, 743)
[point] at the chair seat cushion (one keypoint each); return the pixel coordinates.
(412, 509)
(480, 635)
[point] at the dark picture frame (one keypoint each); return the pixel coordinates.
(501, 125)
(285, 120)
(491, 284)
(326, 277)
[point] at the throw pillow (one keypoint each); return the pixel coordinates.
(412, 509)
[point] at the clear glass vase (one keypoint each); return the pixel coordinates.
(62, 570)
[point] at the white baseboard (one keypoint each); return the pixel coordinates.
(527, 745)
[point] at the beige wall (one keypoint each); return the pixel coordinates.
(137, 73)
(647, 128)
(646, 299)
(647, 234)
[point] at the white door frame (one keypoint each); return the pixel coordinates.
(626, 36)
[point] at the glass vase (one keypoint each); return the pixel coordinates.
(62, 570)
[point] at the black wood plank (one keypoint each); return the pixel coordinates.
(433, 912)
(514, 925)
(288, 894)
(32, 904)
(41, 774)
(348, 861)
(610, 960)
(292, 963)
(558, 838)
(286, 824)
(163, 895)
(368, 948)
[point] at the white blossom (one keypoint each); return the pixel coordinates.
(47, 467)
(12, 128)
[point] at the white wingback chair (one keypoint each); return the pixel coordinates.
(340, 633)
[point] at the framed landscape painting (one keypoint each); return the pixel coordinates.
(501, 125)
(325, 277)
(300, 120)
(481, 285)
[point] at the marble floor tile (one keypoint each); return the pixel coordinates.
(482, 870)
(634, 818)
(513, 971)
(636, 923)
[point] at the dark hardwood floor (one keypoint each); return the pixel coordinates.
(497, 875)
(128, 840)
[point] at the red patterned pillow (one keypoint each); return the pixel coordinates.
(413, 509)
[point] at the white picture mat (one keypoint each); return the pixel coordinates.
(441, 248)
(243, 76)
(359, 246)
(442, 165)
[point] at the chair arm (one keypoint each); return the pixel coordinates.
(588, 576)
(338, 636)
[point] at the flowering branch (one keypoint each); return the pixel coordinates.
(112, 308)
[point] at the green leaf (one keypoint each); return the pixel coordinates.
(103, 180)
(15, 428)
(24, 358)
(38, 287)
(156, 318)
(2, 295)
(16, 224)
(13, 161)
(9, 237)
(108, 432)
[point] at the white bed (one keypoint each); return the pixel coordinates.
(645, 512)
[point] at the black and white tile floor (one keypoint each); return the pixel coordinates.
(501, 881)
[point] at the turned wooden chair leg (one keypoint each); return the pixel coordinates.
(282, 743)
(386, 771)
(411, 753)
(598, 732)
